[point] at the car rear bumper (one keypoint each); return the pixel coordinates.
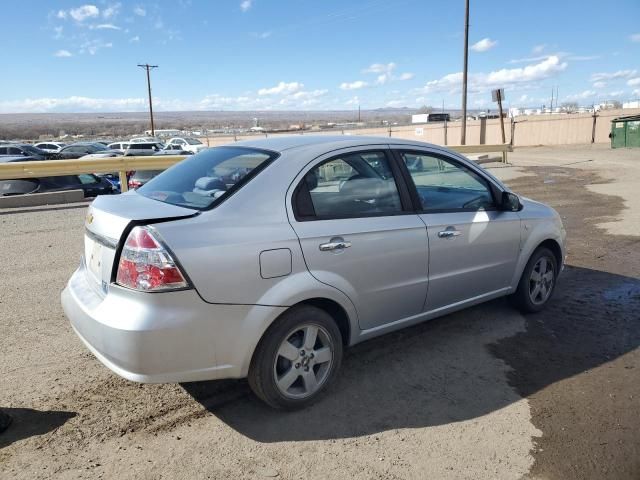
(164, 337)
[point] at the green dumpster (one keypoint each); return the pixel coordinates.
(625, 132)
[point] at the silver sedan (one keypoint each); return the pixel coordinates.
(265, 259)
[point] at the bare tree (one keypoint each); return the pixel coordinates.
(570, 107)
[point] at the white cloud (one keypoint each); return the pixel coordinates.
(92, 46)
(380, 68)
(582, 95)
(596, 77)
(484, 45)
(63, 53)
(141, 12)
(481, 82)
(353, 85)
(636, 92)
(599, 85)
(80, 14)
(111, 10)
(529, 59)
(353, 101)
(582, 58)
(261, 35)
(58, 31)
(135, 39)
(105, 26)
(616, 93)
(539, 48)
(245, 5)
(385, 73)
(634, 82)
(61, 14)
(282, 88)
(634, 37)
(72, 104)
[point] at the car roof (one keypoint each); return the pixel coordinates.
(281, 143)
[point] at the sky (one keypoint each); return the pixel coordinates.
(71, 56)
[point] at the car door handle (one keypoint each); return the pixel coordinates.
(449, 233)
(334, 245)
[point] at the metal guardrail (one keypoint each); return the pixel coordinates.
(52, 168)
(500, 147)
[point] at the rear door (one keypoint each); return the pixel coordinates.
(357, 232)
(473, 246)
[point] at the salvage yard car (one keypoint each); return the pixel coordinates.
(267, 258)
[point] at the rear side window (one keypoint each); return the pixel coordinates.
(204, 180)
(354, 185)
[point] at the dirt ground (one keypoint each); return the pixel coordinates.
(483, 393)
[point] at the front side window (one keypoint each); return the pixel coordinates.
(352, 185)
(204, 180)
(446, 185)
(193, 141)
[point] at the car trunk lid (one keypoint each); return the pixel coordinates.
(108, 220)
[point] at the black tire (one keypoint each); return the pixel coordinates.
(267, 363)
(522, 298)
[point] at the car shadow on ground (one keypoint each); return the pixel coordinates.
(452, 369)
(26, 422)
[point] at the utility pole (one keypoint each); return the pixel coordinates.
(148, 67)
(358, 113)
(463, 136)
(551, 107)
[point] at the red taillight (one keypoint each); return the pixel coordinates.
(146, 265)
(134, 184)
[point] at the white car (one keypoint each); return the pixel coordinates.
(51, 147)
(118, 146)
(104, 154)
(189, 144)
(144, 140)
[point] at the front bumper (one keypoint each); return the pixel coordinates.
(164, 337)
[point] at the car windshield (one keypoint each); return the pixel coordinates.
(193, 141)
(202, 181)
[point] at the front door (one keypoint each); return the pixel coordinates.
(473, 246)
(358, 236)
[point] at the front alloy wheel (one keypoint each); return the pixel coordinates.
(538, 281)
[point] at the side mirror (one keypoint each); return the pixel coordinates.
(511, 202)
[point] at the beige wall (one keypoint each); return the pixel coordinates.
(529, 130)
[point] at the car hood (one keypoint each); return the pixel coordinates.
(108, 216)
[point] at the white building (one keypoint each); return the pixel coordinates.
(632, 104)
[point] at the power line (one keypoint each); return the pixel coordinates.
(148, 67)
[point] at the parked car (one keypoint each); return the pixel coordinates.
(144, 140)
(14, 158)
(273, 274)
(173, 150)
(142, 149)
(50, 147)
(25, 150)
(187, 143)
(104, 154)
(118, 146)
(140, 177)
(91, 184)
(80, 149)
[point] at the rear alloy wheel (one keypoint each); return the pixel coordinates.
(537, 282)
(297, 358)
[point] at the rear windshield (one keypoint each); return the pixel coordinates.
(204, 180)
